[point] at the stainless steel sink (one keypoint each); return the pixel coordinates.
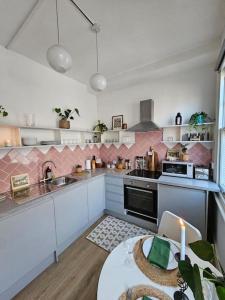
(64, 180)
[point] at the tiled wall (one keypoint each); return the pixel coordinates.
(30, 160)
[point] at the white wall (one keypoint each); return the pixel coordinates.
(185, 91)
(28, 87)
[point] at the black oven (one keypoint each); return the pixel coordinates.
(141, 199)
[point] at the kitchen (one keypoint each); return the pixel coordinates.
(155, 148)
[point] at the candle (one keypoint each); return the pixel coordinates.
(8, 143)
(182, 240)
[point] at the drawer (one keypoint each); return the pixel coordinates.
(114, 189)
(114, 197)
(115, 207)
(114, 180)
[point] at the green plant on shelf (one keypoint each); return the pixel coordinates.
(198, 118)
(100, 127)
(3, 112)
(66, 114)
(191, 274)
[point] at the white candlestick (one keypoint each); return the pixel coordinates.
(182, 240)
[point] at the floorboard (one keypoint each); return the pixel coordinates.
(75, 276)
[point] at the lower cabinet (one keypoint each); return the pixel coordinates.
(27, 238)
(96, 198)
(114, 195)
(190, 204)
(71, 214)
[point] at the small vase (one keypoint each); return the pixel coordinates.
(64, 124)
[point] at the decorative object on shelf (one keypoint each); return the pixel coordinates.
(178, 119)
(117, 122)
(98, 81)
(198, 118)
(184, 153)
(20, 182)
(58, 58)
(65, 115)
(8, 143)
(29, 120)
(191, 274)
(124, 126)
(173, 154)
(29, 141)
(100, 127)
(78, 169)
(3, 112)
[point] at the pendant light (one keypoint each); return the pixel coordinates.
(58, 58)
(98, 81)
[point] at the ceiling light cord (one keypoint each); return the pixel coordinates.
(57, 19)
(97, 57)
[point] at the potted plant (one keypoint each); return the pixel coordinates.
(78, 169)
(3, 112)
(100, 127)
(198, 118)
(65, 116)
(191, 274)
(184, 153)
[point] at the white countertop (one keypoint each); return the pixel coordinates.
(189, 183)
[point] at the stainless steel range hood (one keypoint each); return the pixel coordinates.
(146, 118)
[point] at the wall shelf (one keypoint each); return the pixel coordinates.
(62, 137)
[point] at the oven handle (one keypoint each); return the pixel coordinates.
(141, 190)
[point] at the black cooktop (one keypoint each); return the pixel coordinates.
(145, 173)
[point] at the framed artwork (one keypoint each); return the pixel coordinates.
(20, 182)
(117, 122)
(173, 154)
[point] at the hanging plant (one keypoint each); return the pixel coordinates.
(100, 127)
(3, 112)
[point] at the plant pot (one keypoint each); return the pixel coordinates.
(200, 119)
(64, 124)
(185, 156)
(79, 170)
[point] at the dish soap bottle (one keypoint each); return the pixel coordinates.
(93, 163)
(178, 119)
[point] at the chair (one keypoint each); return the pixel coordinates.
(170, 227)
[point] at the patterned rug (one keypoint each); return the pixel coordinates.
(112, 231)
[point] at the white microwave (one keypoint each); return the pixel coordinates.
(178, 168)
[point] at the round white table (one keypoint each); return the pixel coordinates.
(117, 275)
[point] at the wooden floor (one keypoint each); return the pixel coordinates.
(75, 276)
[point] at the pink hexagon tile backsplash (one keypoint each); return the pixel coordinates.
(30, 161)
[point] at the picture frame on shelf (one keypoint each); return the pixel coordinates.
(20, 182)
(173, 154)
(117, 122)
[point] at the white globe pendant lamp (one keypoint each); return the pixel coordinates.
(98, 81)
(58, 58)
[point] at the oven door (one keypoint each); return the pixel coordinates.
(142, 202)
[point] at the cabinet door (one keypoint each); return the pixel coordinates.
(71, 212)
(189, 204)
(96, 198)
(26, 239)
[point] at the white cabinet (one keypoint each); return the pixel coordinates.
(96, 198)
(190, 204)
(27, 238)
(71, 214)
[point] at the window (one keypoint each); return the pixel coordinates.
(221, 128)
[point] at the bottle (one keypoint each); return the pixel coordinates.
(178, 119)
(93, 163)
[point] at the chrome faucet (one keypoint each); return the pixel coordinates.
(43, 170)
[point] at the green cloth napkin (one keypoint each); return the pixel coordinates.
(146, 298)
(159, 253)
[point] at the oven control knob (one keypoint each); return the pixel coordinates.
(131, 182)
(148, 186)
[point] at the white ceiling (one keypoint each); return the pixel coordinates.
(134, 33)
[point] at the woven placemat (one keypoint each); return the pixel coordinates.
(161, 276)
(145, 290)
